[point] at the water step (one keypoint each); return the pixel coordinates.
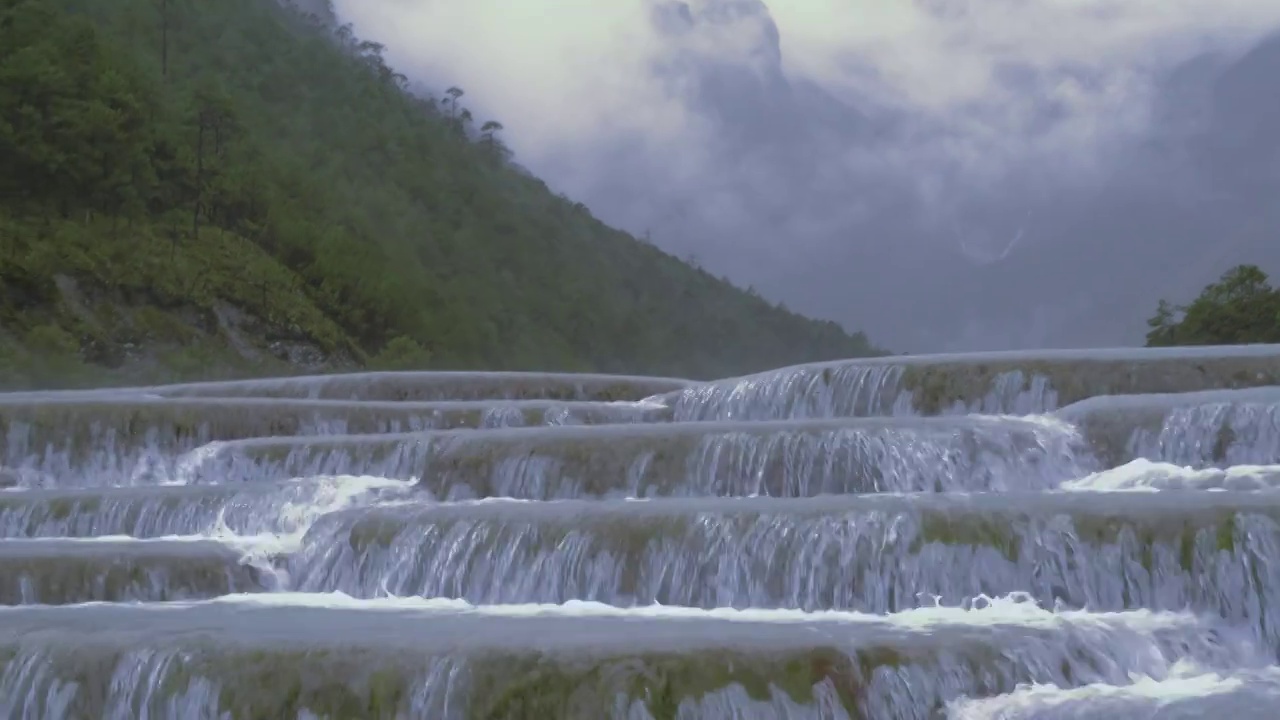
(782, 458)
(286, 656)
(876, 553)
(124, 436)
(1004, 382)
(434, 386)
(150, 512)
(1216, 427)
(58, 571)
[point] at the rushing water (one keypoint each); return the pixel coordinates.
(1055, 535)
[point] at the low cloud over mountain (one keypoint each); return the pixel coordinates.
(944, 175)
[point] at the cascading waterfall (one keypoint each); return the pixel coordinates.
(1056, 535)
(1006, 382)
(1223, 428)
(687, 458)
(134, 440)
(874, 554)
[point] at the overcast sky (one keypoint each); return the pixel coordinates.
(978, 97)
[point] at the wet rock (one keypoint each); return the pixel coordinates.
(298, 354)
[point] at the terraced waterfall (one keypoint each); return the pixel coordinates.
(1055, 535)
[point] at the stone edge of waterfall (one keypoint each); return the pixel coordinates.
(1119, 354)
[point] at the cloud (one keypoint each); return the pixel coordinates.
(564, 72)
(948, 52)
(986, 83)
(917, 132)
(1007, 81)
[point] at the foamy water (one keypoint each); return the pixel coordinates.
(1146, 476)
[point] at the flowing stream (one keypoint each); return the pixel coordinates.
(1084, 534)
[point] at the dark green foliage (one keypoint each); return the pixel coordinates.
(185, 156)
(1240, 308)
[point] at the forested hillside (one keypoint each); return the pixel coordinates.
(193, 188)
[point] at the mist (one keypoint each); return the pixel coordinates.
(943, 174)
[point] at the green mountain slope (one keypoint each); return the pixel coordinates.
(193, 188)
